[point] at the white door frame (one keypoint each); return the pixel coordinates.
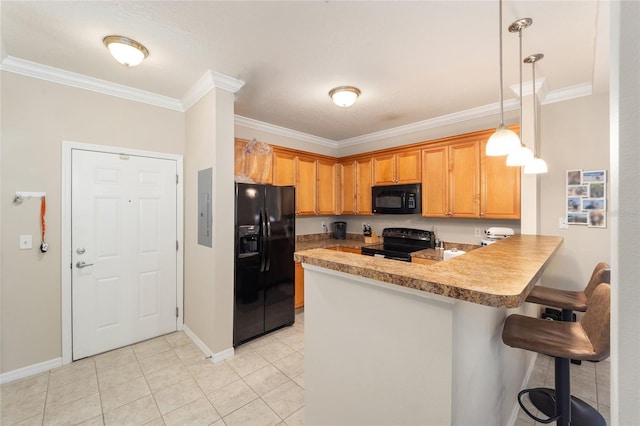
(65, 255)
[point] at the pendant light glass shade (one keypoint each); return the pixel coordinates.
(520, 156)
(503, 140)
(537, 166)
(125, 50)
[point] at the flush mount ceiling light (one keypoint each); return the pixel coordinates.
(125, 50)
(344, 96)
(503, 141)
(538, 165)
(521, 155)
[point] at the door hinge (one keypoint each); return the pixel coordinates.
(177, 312)
(177, 245)
(177, 179)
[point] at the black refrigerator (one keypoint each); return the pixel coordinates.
(264, 267)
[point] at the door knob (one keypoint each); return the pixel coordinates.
(81, 264)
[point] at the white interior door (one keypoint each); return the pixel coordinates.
(124, 258)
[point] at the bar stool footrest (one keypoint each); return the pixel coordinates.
(541, 394)
(582, 414)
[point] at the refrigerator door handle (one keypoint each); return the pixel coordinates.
(263, 241)
(267, 220)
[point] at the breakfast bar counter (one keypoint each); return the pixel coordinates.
(390, 342)
(499, 275)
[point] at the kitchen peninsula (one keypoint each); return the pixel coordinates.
(390, 342)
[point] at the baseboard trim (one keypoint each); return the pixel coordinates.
(525, 381)
(222, 355)
(30, 370)
(215, 357)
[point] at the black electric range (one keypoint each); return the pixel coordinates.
(399, 243)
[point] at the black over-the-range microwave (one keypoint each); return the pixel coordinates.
(396, 199)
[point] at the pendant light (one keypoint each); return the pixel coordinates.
(538, 165)
(503, 140)
(521, 155)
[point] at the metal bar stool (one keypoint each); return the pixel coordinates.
(586, 340)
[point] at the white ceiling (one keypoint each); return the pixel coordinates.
(413, 61)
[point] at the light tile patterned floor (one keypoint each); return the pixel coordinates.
(166, 381)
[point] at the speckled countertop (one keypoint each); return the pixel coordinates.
(499, 275)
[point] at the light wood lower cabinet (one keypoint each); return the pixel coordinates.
(423, 261)
(299, 286)
(355, 250)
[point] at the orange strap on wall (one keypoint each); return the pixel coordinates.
(43, 210)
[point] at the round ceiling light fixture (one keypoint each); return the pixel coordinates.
(125, 50)
(344, 96)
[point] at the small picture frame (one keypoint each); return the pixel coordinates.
(597, 219)
(574, 204)
(577, 218)
(578, 191)
(574, 177)
(594, 176)
(593, 204)
(596, 190)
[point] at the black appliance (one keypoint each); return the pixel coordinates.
(396, 199)
(339, 230)
(264, 267)
(399, 243)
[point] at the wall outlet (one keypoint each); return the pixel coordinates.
(562, 222)
(478, 232)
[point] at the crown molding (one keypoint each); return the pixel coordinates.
(210, 80)
(68, 78)
(542, 89)
(283, 131)
(443, 120)
(568, 93)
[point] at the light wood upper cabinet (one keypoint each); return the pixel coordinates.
(397, 168)
(306, 186)
(284, 169)
(500, 188)
(363, 186)
(326, 187)
(348, 188)
(355, 187)
(451, 180)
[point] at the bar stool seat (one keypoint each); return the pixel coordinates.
(571, 300)
(587, 340)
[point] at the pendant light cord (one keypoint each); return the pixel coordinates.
(501, 76)
(520, 61)
(535, 111)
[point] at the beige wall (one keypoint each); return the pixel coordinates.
(574, 135)
(36, 117)
(209, 270)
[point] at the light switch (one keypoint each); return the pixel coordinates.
(26, 242)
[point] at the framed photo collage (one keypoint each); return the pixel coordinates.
(586, 198)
